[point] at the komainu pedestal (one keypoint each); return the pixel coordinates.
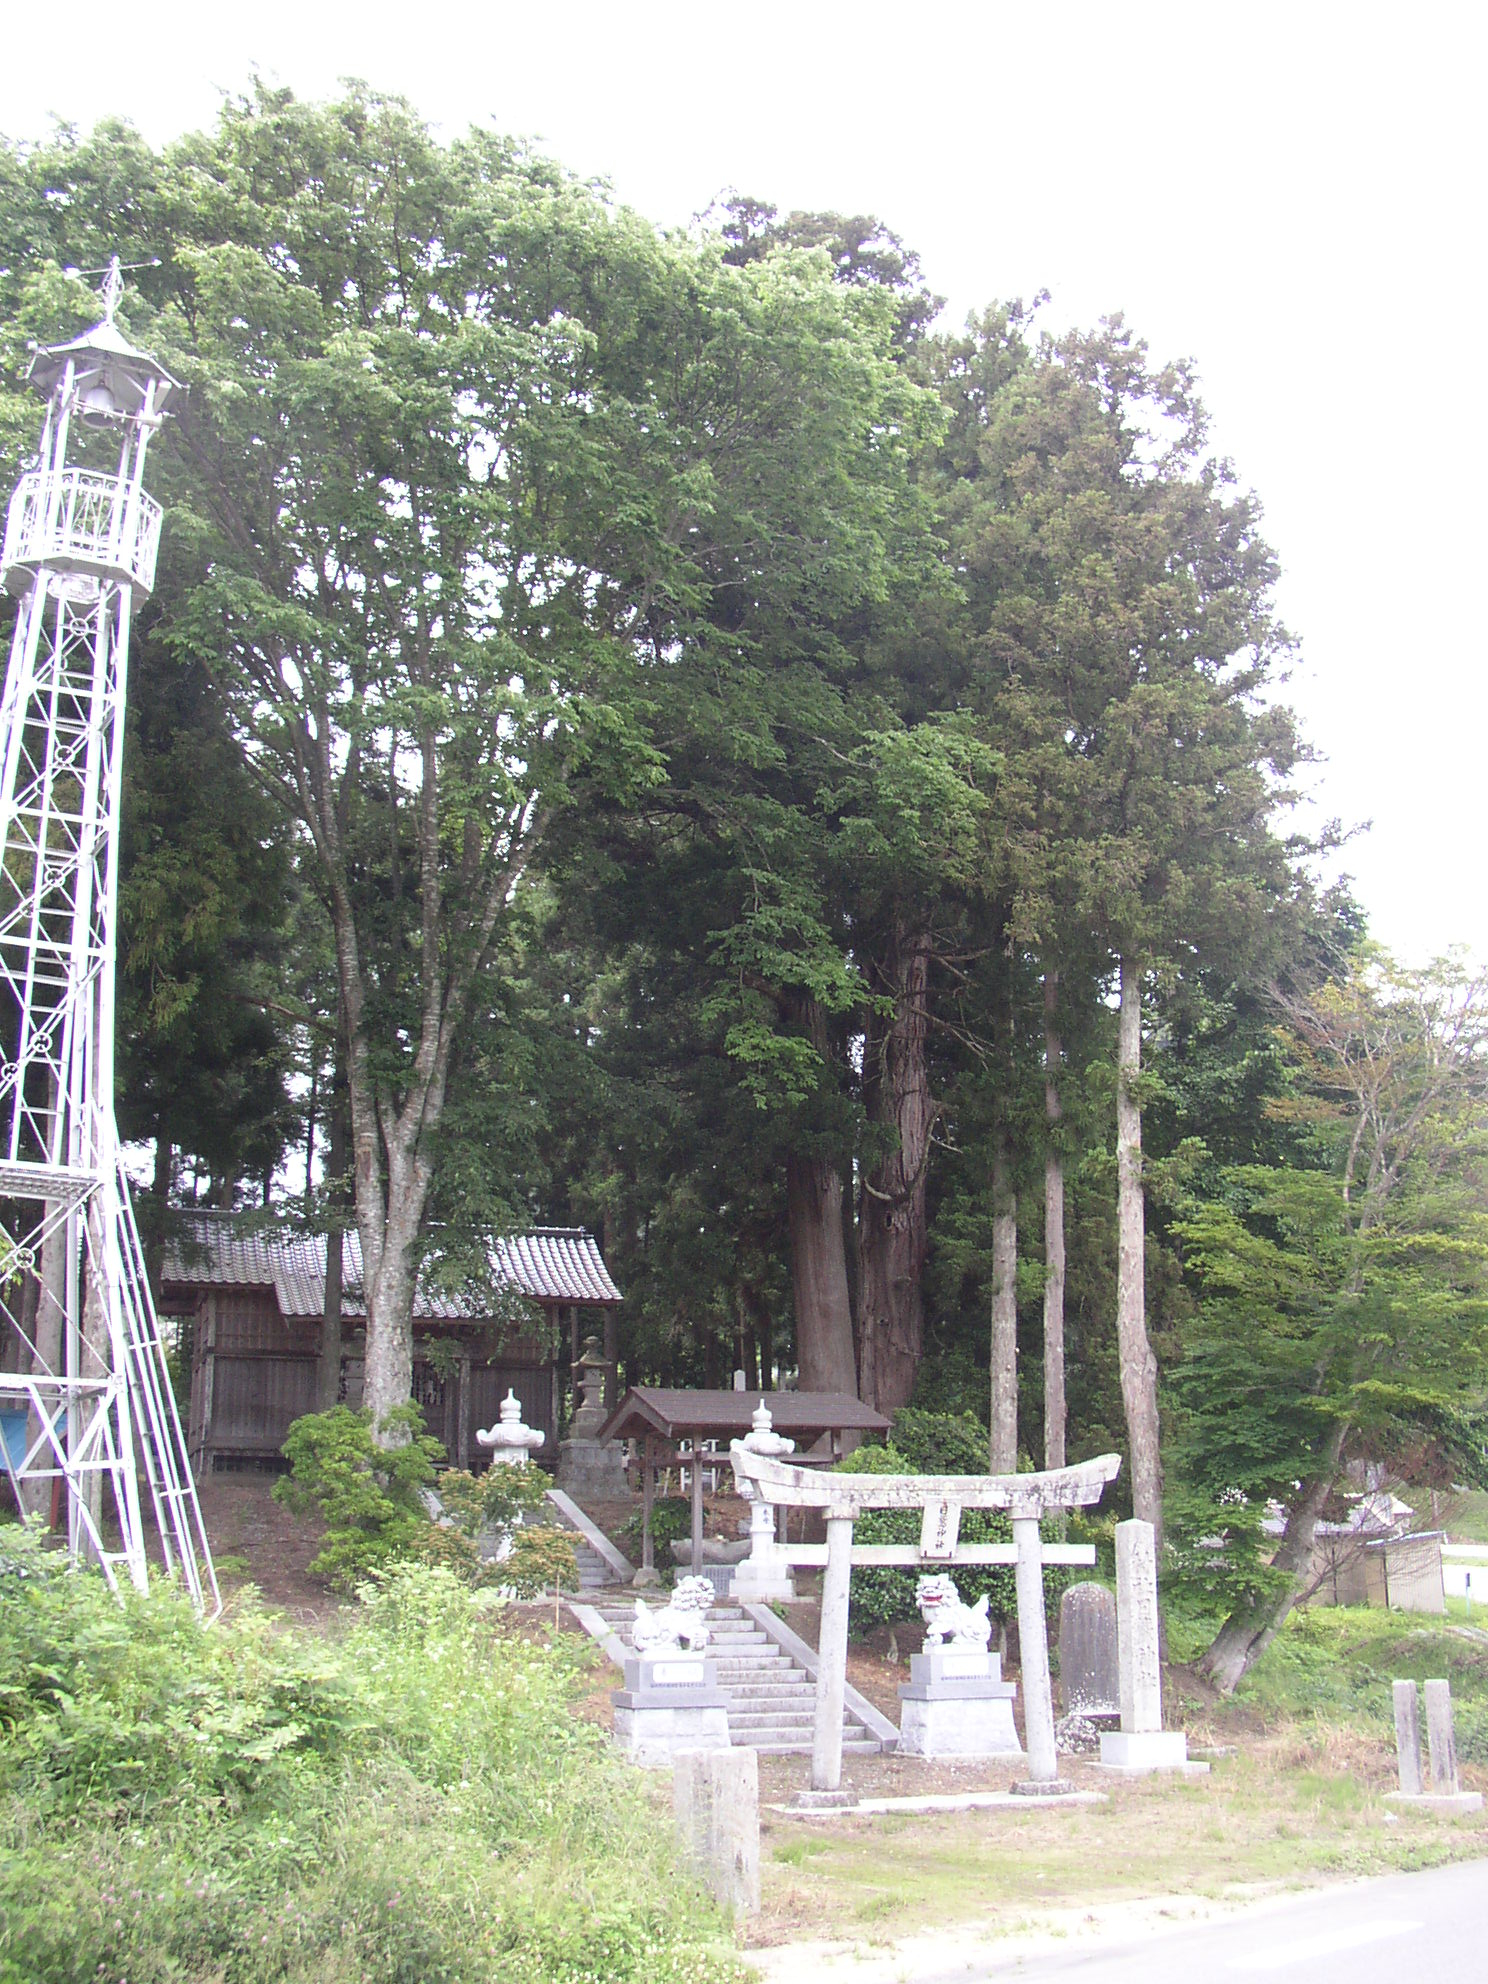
(671, 1700)
(956, 1704)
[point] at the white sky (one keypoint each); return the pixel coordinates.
(1290, 194)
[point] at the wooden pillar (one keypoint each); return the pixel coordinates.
(462, 1407)
(648, 1501)
(697, 1504)
(612, 1358)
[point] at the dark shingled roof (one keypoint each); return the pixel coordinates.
(550, 1264)
(727, 1415)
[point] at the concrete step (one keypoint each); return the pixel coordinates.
(785, 1747)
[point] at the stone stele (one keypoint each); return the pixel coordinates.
(1141, 1743)
(1089, 1660)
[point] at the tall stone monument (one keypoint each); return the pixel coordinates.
(588, 1466)
(1141, 1743)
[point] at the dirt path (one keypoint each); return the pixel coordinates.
(256, 1541)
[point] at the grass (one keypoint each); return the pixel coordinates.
(1301, 1801)
(1335, 1664)
(422, 1801)
(1465, 1517)
(1293, 1813)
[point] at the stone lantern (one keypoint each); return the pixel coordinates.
(764, 1574)
(509, 1440)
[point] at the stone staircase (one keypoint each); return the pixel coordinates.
(771, 1700)
(594, 1574)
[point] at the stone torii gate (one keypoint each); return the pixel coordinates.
(940, 1499)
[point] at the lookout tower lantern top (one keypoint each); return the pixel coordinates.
(90, 526)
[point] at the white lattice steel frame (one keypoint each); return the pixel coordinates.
(101, 1419)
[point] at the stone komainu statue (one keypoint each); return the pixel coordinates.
(682, 1621)
(946, 1618)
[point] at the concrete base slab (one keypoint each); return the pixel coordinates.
(1043, 1787)
(1435, 1801)
(961, 1726)
(762, 1588)
(947, 1801)
(1150, 1749)
(822, 1801)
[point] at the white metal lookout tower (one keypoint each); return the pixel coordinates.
(86, 1409)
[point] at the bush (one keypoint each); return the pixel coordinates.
(671, 1520)
(415, 1805)
(542, 1559)
(368, 1495)
(940, 1442)
(501, 1499)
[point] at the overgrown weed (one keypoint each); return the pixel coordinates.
(413, 1804)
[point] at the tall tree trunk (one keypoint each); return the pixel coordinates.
(165, 1165)
(1138, 1364)
(1250, 1629)
(814, 1214)
(764, 1333)
(1003, 1457)
(338, 1151)
(1054, 1409)
(824, 1336)
(892, 1229)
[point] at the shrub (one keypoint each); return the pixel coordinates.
(940, 1442)
(122, 1704)
(368, 1495)
(671, 1520)
(501, 1499)
(542, 1559)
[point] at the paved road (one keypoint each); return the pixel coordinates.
(1400, 1929)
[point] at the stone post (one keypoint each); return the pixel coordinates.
(1141, 1743)
(1442, 1742)
(715, 1802)
(831, 1669)
(1033, 1640)
(1445, 1793)
(1408, 1737)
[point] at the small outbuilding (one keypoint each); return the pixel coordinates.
(251, 1306)
(669, 1425)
